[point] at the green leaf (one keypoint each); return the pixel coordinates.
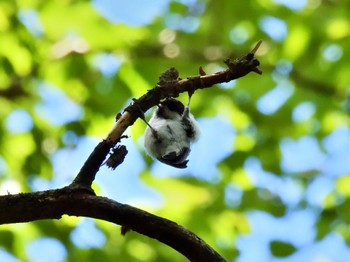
(281, 249)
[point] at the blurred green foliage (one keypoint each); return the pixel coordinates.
(62, 50)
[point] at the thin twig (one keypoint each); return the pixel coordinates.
(78, 199)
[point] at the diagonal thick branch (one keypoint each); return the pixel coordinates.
(78, 199)
(236, 69)
(52, 204)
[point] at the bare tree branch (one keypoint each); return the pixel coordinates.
(52, 204)
(239, 68)
(78, 199)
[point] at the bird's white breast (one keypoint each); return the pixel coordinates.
(171, 137)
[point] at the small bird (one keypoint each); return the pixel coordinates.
(170, 133)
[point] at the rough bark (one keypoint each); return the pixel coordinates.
(78, 199)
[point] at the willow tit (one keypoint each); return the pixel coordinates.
(170, 132)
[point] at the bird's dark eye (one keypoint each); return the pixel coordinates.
(174, 105)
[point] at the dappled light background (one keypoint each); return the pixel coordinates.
(269, 179)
